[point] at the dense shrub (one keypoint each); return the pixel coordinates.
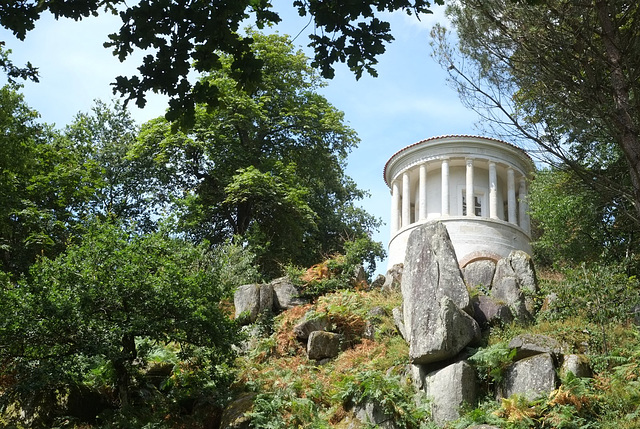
(97, 314)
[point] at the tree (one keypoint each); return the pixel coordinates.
(194, 34)
(101, 305)
(53, 181)
(561, 74)
(14, 72)
(43, 186)
(575, 223)
(266, 164)
(123, 186)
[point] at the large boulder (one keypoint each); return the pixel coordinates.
(370, 413)
(323, 345)
(431, 271)
(450, 388)
(311, 322)
(285, 294)
(515, 282)
(576, 364)
(235, 415)
(487, 311)
(506, 288)
(527, 345)
(441, 332)
(522, 265)
(252, 299)
(479, 273)
(530, 377)
(393, 278)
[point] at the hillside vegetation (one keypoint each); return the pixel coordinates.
(122, 246)
(91, 364)
(590, 315)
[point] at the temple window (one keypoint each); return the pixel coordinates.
(477, 204)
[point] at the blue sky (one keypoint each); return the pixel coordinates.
(408, 101)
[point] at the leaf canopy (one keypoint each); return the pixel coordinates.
(186, 35)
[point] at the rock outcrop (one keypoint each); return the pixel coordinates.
(323, 345)
(436, 320)
(439, 320)
(450, 388)
(479, 273)
(529, 377)
(435, 297)
(286, 294)
(441, 332)
(251, 300)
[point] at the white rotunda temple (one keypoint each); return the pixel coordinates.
(435, 179)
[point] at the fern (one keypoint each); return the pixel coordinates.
(491, 361)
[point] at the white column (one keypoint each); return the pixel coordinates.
(493, 191)
(511, 196)
(416, 207)
(406, 199)
(395, 205)
(445, 187)
(471, 206)
(422, 198)
(523, 206)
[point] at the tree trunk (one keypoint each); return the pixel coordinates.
(121, 367)
(628, 138)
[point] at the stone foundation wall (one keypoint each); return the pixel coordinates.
(472, 239)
